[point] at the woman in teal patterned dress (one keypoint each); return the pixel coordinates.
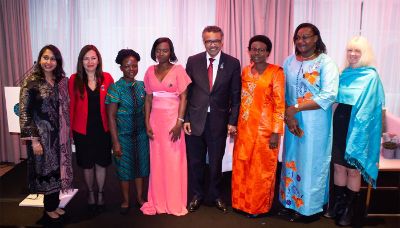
(125, 110)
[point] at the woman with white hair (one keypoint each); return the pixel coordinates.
(357, 127)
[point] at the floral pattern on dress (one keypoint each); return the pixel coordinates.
(290, 183)
(312, 77)
(247, 96)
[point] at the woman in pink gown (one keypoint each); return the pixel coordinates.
(165, 85)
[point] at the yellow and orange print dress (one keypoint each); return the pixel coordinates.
(254, 164)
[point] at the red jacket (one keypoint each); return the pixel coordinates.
(79, 107)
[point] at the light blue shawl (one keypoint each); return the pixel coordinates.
(362, 88)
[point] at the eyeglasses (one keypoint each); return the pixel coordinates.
(258, 50)
(210, 42)
(48, 58)
(304, 37)
(165, 51)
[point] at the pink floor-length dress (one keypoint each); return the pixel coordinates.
(168, 167)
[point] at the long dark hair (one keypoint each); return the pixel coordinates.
(58, 71)
(320, 46)
(81, 77)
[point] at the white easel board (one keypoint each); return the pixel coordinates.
(12, 99)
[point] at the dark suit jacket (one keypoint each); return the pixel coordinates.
(223, 99)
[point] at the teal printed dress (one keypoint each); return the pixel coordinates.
(130, 97)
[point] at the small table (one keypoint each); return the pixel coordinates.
(385, 165)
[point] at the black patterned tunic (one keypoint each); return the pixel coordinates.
(39, 118)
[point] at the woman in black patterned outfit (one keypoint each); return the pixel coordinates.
(44, 121)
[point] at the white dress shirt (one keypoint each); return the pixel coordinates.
(215, 68)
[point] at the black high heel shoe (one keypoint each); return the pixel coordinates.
(139, 203)
(91, 206)
(101, 207)
(285, 212)
(299, 218)
(124, 210)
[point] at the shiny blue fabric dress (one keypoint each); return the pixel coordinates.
(362, 88)
(132, 136)
(304, 185)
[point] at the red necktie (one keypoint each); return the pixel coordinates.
(210, 72)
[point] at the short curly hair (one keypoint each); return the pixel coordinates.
(124, 53)
(262, 39)
(214, 29)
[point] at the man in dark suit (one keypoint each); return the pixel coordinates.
(212, 113)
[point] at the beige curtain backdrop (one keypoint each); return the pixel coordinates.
(242, 19)
(113, 25)
(378, 21)
(380, 24)
(16, 58)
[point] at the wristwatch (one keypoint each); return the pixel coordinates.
(296, 106)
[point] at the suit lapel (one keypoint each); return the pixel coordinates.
(202, 67)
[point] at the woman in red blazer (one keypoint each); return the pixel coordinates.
(88, 90)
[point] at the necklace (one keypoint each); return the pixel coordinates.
(298, 84)
(92, 82)
(307, 58)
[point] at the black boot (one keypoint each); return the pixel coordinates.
(335, 208)
(359, 211)
(346, 218)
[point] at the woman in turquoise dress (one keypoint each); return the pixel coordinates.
(125, 110)
(356, 133)
(311, 89)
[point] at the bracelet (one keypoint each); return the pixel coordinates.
(297, 107)
(180, 119)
